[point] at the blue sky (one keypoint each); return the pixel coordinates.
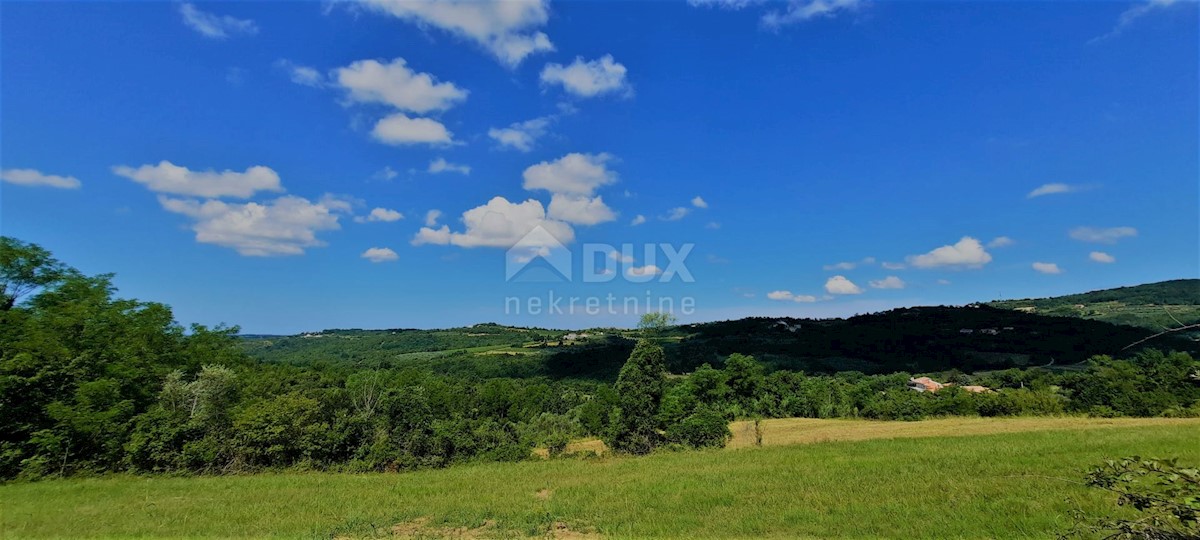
(274, 165)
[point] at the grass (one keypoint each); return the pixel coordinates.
(999, 485)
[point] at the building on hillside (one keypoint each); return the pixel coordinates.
(924, 384)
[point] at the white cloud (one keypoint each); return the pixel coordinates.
(370, 81)
(378, 255)
(499, 223)
(521, 136)
(788, 296)
(890, 282)
(284, 226)
(386, 173)
(399, 130)
(1000, 241)
(1132, 14)
(724, 4)
(619, 257)
(166, 177)
(699, 202)
(506, 28)
(804, 10)
(440, 165)
(893, 266)
(676, 214)
(841, 285)
(579, 209)
(302, 75)
(588, 79)
(33, 177)
(432, 217)
(215, 26)
(1047, 268)
(1053, 189)
(572, 174)
(1102, 236)
(840, 266)
(380, 215)
(967, 253)
(1101, 257)
(643, 271)
(637, 220)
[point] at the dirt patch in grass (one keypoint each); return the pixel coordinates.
(423, 529)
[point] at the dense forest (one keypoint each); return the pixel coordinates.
(93, 383)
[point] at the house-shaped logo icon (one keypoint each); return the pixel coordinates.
(538, 257)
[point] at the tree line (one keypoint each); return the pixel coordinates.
(93, 383)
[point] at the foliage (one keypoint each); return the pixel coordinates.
(639, 389)
(1165, 495)
(655, 322)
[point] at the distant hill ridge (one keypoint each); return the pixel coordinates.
(1156, 306)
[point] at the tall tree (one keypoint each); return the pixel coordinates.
(639, 392)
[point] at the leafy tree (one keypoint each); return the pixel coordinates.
(639, 389)
(25, 268)
(745, 376)
(1165, 495)
(656, 322)
(704, 428)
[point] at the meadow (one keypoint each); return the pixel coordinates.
(963, 478)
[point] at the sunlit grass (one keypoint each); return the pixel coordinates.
(981, 486)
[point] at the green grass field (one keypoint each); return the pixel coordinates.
(1011, 483)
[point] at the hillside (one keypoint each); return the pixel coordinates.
(1153, 305)
(921, 339)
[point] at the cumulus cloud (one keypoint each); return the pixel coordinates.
(579, 209)
(637, 220)
(285, 226)
(676, 214)
(890, 282)
(841, 285)
(788, 296)
(166, 177)
(798, 11)
(440, 165)
(588, 79)
(380, 215)
(1053, 189)
(499, 223)
(1047, 268)
(215, 26)
(393, 83)
(432, 217)
(966, 253)
(572, 174)
(507, 28)
(699, 202)
(378, 255)
(1102, 236)
(643, 271)
(521, 136)
(400, 130)
(1101, 257)
(33, 177)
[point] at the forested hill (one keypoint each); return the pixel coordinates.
(920, 339)
(1160, 305)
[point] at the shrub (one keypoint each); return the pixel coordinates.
(705, 428)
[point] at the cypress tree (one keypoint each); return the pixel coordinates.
(639, 391)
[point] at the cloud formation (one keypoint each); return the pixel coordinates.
(890, 282)
(400, 130)
(699, 202)
(393, 83)
(33, 177)
(285, 226)
(505, 28)
(841, 285)
(788, 296)
(378, 255)
(1101, 257)
(385, 215)
(572, 174)
(1047, 268)
(1102, 236)
(798, 11)
(1000, 241)
(215, 26)
(966, 253)
(166, 177)
(521, 136)
(1053, 189)
(440, 165)
(588, 78)
(499, 223)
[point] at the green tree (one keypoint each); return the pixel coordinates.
(656, 322)
(634, 428)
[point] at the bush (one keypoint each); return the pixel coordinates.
(705, 428)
